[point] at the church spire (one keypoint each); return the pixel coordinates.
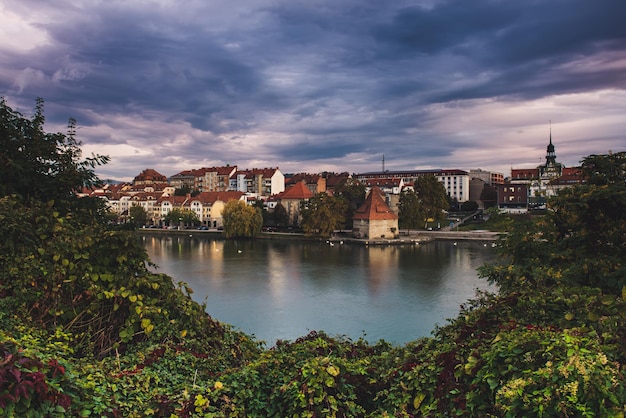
(550, 154)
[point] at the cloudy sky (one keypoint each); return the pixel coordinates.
(321, 84)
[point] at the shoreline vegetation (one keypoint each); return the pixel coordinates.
(86, 329)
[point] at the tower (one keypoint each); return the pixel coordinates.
(551, 168)
(550, 153)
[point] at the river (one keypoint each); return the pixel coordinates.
(276, 289)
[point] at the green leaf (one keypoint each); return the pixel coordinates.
(417, 401)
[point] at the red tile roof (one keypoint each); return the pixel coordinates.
(374, 207)
(150, 175)
(298, 191)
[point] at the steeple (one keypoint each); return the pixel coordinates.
(550, 154)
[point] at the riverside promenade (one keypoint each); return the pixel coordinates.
(410, 238)
(477, 235)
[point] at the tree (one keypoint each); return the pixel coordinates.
(432, 196)
(411, 214)
(354, 193)
(605, 169)
(322, 214)
(489, 196)
(138, 215)
(43, 166)
(185, 216)
(182, 191)
(260, 205)
(280, 215)
(241, 220)
(469, 206)
(579, 242)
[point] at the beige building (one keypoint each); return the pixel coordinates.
(290, 199)
(374, 219)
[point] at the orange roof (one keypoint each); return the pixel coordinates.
(374, 207)
(298, 191)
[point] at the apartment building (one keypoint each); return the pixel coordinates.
(455, 182)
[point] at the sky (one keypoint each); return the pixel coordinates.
(321, 85)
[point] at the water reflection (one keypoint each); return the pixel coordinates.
(284, 289)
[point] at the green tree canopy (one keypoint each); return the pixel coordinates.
(469, 206)
(354, 194)
(489, 196)
(322, 214)
(411, 213)
(241, 220)
(138, 215)
(605, 169)
(66, 272)
(42, 166)
(280, 215)
(432, 196)
(581, 239)
(178, 215)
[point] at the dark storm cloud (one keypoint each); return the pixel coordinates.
(263, 82)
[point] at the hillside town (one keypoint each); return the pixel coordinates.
(205, 191)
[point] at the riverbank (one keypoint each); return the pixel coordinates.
(411, 238)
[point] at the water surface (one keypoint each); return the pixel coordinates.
(284, 289)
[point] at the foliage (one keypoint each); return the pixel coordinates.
(518, 355)
(322, 214)
(138, 215)
(42, 166)
(354, 194)
(496, 221)
(314, 376)
(469, 206)
(182, 191)
(432, 196)
(606, 169)
(411, 214)
(489, 196)
(562, 247)
(280, 215)
(177, 216)
(241, 220)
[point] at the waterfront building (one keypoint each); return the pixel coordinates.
(291, 198)
(374, 219)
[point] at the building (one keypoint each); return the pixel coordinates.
(210, 205)
(206, 179)
(316, 183)
(374, 219)
(488, 177)
(545, 180)
(263, 182)
(455, 182)
(291, 198)
(149, 176)
(512, 198)
(207, 206)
